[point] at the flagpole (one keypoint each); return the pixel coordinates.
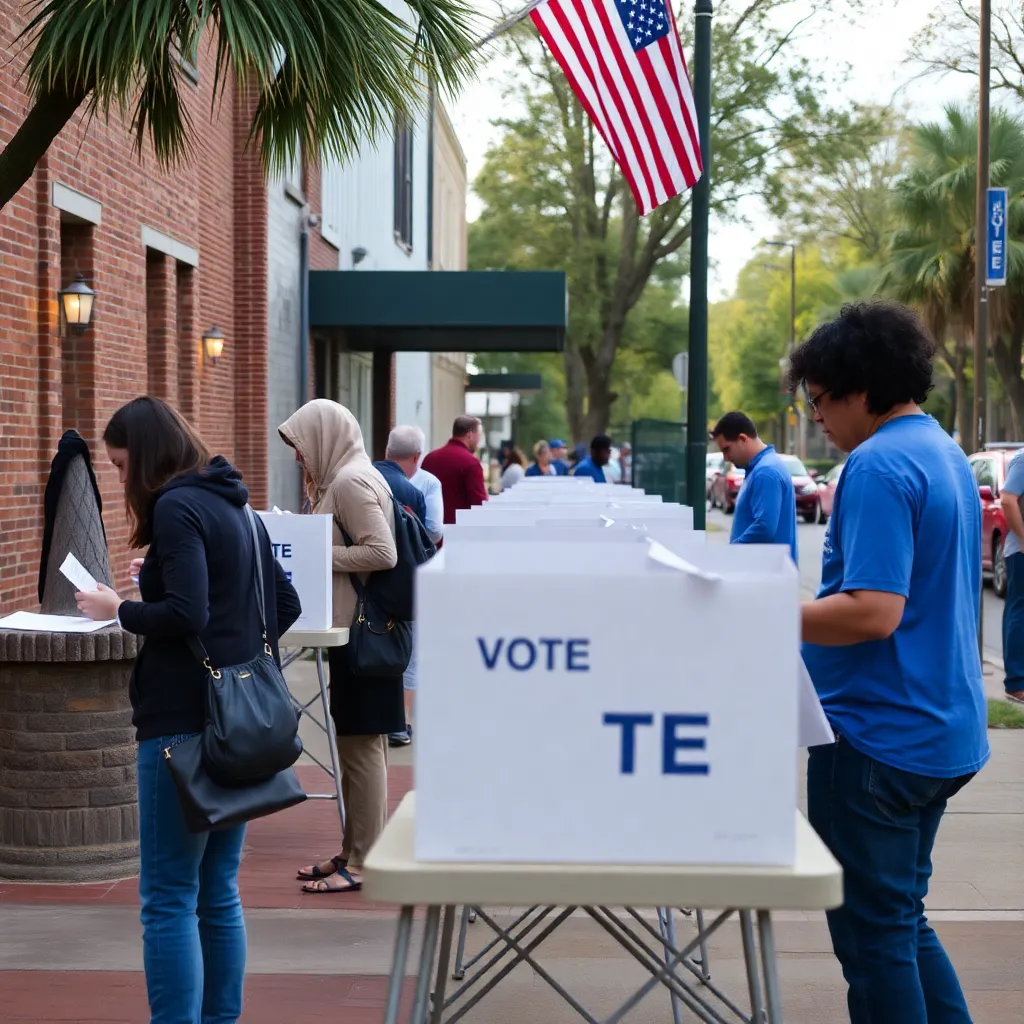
(509, 22)
(697, 397)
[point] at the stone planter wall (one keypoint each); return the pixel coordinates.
(67, 757)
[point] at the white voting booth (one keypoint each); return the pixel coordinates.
(614, 733)
(302, 546)
(608, 714)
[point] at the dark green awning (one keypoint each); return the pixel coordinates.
(523, 383)
(441, 311)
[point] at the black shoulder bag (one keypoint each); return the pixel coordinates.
(239, 767)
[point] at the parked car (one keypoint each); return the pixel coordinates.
(808, 504)
(989, 468)
(725, 487)
(715, 461)
(827, 490)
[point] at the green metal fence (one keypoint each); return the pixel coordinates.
(659, 458)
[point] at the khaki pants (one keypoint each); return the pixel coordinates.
(364, 788)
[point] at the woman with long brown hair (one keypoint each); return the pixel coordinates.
(197, 581)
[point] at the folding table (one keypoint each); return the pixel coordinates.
(393, 875)
(299, 641)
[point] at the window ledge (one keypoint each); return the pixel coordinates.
(406, 247)
(294, 193)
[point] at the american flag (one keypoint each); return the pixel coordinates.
(624, 61)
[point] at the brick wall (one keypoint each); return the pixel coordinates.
(151, 308)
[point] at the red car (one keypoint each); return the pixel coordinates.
(827, 490)
(808, 504)
(989, 468)
(725, 487)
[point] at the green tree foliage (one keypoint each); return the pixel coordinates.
(328, 73)
(553, 199)
(933, 253)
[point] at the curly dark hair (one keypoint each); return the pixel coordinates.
(880, 349)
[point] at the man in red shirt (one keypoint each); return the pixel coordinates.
(458, 468)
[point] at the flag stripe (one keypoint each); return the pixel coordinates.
(624, 62)
(621, 83)
(586, 93)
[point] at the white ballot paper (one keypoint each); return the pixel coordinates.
(813, 728)
(80, 577)
(31, 622)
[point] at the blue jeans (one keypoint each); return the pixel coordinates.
(193, 931)
(1013, 624)
(880, 824)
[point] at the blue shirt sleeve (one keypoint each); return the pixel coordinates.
(876, 533)
(764, 505)
(435, 511)
(1014, 482)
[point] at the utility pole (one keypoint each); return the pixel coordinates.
(981, 229)
(980, 258)
(697, 393)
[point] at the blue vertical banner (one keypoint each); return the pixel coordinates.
(995, 238)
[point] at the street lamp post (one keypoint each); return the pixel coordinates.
(791, 246)
(697, 393)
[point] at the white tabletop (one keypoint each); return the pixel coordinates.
(315, 638)
(392, 875)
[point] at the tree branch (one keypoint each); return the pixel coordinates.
(48, 116)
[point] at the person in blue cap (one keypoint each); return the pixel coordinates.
(559, 456)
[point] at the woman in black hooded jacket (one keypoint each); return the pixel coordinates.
(197, 580)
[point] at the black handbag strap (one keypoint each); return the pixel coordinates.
(195, 644)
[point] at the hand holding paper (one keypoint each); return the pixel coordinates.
(80, 577)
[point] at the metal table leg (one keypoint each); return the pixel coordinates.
(402, 936)
(332, 739)
(459, 971)
(419, 1006)
(705, 963)
(771, 977)
(667, 926)
(443, 964)
(753, 970)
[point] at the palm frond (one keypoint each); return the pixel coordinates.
(328, 75)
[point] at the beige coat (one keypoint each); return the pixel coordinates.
(344, 485)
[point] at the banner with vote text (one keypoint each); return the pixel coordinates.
(302, 545)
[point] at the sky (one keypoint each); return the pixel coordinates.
(875, 45)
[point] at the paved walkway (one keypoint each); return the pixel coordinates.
(72, 953)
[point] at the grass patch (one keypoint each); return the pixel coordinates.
(1003, 715)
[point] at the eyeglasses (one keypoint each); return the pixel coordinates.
(813, 400)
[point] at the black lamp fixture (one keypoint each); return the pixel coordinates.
(358, 255)
(213, 345)
(76, 303)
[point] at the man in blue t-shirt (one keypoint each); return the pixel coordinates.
(766, 506)
(892, 646)
(600, 456)
(1013, 612)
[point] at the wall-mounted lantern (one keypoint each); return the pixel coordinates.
(213, 345)
(76, 303)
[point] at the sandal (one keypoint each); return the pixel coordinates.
(322, 886)
(310, 874)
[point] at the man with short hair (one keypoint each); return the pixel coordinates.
(559, 456)
(600, 455)
(766, 506)
(399, 463)
(458, 468)
(891, 643)
(404, 451)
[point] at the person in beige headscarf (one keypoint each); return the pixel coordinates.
(342, 482)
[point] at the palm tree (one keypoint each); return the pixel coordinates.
(328, 74)
(932, 259)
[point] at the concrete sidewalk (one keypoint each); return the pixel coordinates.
(72, 953)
